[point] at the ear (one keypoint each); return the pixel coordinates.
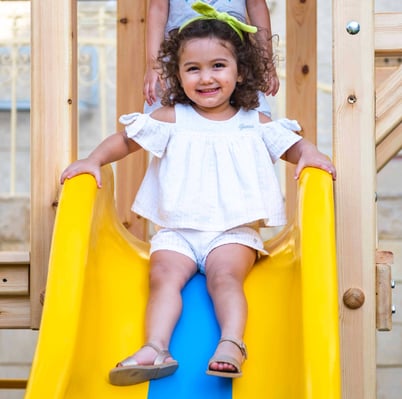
(239, 79)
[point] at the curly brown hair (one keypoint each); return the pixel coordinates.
(252, 63)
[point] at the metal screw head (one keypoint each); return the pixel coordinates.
(353, 27)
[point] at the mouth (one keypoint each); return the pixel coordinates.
(208, 91)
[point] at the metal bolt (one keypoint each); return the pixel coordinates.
(393, 309)
(393, 284)
(352, 99)
(353, 27)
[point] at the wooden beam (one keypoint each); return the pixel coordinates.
(388, 104)
(13, 257)
(15, 312)
(389, 147)
(354, 152)
(13, 383)
(388, 31)
(14, 280)
(130, 79)
(384, 260)
(53, 125)
(385, 67)
(301, 78)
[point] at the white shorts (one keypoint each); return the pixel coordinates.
(198, 244)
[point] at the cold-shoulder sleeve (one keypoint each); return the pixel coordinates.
(150, 134)
(279, 136)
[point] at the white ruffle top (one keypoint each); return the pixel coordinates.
(211, 175)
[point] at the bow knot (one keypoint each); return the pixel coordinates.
(209, 12)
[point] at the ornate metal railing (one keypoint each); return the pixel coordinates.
(96, 84)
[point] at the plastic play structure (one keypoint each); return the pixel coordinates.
(97, 289)
(315, 303)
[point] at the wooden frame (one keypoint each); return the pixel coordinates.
(53, 125)
(130, 78)
(361, 145)
(354, 151)
(301, 76)
(14, 290)
(388, 47)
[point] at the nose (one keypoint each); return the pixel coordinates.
(205, 76)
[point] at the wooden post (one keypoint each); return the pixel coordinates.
(384, 260)
(388, 104)
(389, 147)
(15, 306)
(53, 126)
(130, 79)
(354, 153)
(388, 48)
(301, 78)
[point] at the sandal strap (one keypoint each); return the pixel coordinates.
(162, 354)
(240, 344)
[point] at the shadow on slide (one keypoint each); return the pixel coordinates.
(97, 291)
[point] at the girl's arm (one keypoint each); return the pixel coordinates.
(304, 154)
(156, 22)
(113, 148)
(259, 15)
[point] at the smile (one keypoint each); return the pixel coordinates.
(208, 91)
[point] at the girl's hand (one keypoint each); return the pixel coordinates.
(150, 79)
(80, 167)
(312, 157)
(273, 84)
(150, 83)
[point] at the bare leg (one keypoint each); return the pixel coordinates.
(226, 269)
(170, 271)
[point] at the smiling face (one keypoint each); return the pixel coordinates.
(208, 75)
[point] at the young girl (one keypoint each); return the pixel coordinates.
(210, 182)
(167, 15)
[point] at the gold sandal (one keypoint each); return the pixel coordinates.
(228, 359)
(129, 372)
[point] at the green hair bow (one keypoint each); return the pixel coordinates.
(209, 12)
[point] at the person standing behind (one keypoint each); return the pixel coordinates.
(166, 15)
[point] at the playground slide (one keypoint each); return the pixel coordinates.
(96, 295)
